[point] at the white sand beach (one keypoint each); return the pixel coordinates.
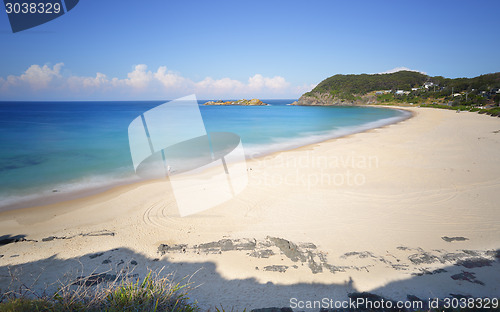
(408, 209)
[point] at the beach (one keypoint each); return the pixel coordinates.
(409, 209)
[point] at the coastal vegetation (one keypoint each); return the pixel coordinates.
(349, 86)
(478, 93)
(156, 292)
(160, 294)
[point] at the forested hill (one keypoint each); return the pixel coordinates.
(407, 85)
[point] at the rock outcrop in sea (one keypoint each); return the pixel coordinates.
(242, 102)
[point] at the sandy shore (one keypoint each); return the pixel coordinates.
(407, 209)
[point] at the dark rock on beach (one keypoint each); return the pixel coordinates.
(164, 248)
(93, 256)
(497, 255)
(334, 269)
(454, 239)
(265, 253)
(51, 238)
(7, 239)
(475, 263)
(99, 233)
(471, 252)
(399, 267)
(288, 248)
(427, 272)
(227, 245)
(94, 279)
(454, 257)
(276, 268)
(315, 267)
(467, 276)
(362, 254)
(308, 246)
(423, 258)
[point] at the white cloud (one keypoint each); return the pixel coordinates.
(100, 80)
(35, 76)
(277, 83)
(401, 68)
(257, 82)
(142, 83)
(219, 85)
(170, 79)
(140, 77)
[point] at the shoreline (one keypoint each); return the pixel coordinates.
(424, 223)
(39, 200)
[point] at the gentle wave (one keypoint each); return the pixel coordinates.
(258, 150)
(69, 190)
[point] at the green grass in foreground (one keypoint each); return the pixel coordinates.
(153, 293)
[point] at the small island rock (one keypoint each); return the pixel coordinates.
(242, 102)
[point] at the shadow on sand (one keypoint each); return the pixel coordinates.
(466, 278)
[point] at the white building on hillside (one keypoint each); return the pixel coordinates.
(428, 84)
(401, 92)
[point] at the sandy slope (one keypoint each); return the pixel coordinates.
(367, 212)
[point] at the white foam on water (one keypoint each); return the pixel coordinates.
(283, 144)
(48, 194)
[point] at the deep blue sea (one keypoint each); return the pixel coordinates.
(64, 147)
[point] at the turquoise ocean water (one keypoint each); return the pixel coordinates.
(67, 147)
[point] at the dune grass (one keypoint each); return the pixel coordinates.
(153, 293)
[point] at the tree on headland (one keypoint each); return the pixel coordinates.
(404, 86)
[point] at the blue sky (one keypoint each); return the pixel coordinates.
(158, 49)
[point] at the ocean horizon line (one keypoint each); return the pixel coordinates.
(146, 100)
